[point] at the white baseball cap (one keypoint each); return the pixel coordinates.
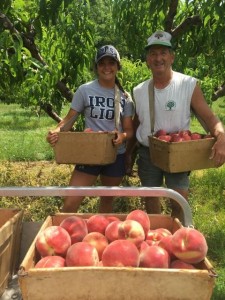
(159, 38)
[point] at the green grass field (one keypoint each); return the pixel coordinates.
(26, 159)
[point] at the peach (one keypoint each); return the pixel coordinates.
(165, 243)
(163, 231)
(189, 245)
(175, 138)
(76, 227)
(160, 132)
(186, 137)
(111, 231)
(141, 217)
(166, 138)
(112, 218)
(196, 136)
(97, 223)
(98, 240)
(143, 246)
(131, 230)
(82, 254)
(154, 257)
(184, 133)
(120, 253)
(153, 237)
(53, 240)
(179, 264)
(51, 262)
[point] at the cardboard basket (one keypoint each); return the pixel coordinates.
(10, 237)
(115, 283)
(181, 156)
(92, 148)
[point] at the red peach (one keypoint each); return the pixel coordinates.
(179, 264)
(88, 130)
(189, 245)
(112, 218)
(163, 231)
(131, 230)
(120, 253)
(196, 136)
(153, 237)
(165, 243)
(184, 133)
(166, 138)
(76, 227)
(141, 217)
(160, 132)
(152, 242)
(97, 223)
(176, 138)
(111, 231)
(154, 257)
(53, 240)
(98, 240)
(82, 254)
(186, 137)
(143, 246)
(51, 262)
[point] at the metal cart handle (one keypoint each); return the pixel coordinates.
(50, 191)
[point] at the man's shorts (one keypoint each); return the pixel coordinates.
(152, 176)
(116, 169)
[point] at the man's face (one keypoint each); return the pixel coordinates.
(159, 59)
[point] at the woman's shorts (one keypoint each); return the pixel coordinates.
(116, 169)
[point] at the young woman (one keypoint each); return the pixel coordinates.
(96, 100)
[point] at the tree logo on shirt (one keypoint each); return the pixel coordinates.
(170, 105)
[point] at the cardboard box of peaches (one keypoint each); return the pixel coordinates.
(135, 256)
(181, 151)
(88, 147)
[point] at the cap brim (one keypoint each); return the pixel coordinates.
(106, 55)
(159, 43)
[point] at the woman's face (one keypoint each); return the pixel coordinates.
(107, 69)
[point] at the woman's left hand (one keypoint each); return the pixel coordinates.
(120, 138)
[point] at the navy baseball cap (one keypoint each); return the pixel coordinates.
(107, 50)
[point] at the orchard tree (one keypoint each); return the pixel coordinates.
(45, 50)
(197, 28)
(47, 46)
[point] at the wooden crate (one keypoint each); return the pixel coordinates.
(93, 148)
(114, 283)
(10, 236)
(181, 156)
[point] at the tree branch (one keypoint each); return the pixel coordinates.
(28, 42)
(185, 25)
(171, 14)
(220, 92)
(47, 107)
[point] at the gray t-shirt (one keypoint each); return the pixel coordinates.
(97, 105)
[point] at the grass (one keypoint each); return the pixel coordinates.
(23, 135)
(26, 159)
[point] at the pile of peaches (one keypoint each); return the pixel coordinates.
(107, 241)
(180, 136)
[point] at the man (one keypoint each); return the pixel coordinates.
(185, 93)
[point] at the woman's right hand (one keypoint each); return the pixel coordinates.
(52, 138)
